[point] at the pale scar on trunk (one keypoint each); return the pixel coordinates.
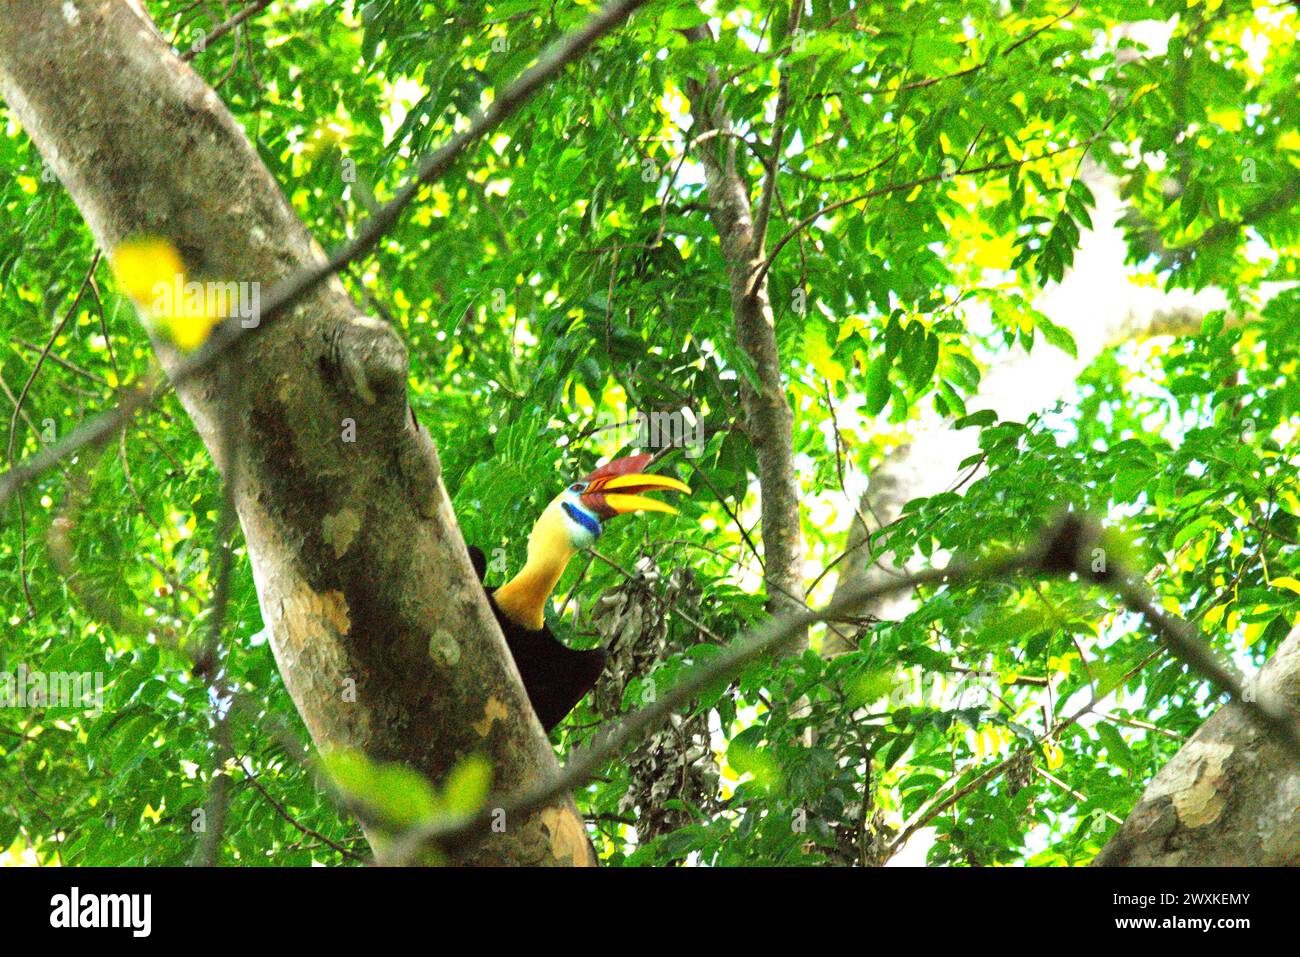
(305, 613)
(568, 838)
(495, 710)
(1196, 784)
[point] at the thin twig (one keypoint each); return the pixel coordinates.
(13, 426)
(298, 825)
(221, 29)
(757, 278)
(778, 139)
(931, 81)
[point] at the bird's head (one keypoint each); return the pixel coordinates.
(573, 521)
(615, 488)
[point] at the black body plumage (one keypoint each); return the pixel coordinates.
(554, 675)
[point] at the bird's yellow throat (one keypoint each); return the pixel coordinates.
(523, 598)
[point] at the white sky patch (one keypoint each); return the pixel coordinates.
(915, 851)
(402, 95)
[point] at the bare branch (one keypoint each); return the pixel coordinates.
(1060, 550)
(297, 825)
(221, 29)
(778, 138)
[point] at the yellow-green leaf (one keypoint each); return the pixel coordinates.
(144, 267)
(467, 785)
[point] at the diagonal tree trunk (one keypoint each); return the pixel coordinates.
(377, 622)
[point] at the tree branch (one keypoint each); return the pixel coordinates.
(778, 137)
(221, 29)
(1063, 548)
(288, 292)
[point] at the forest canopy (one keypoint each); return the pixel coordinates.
(892, 286)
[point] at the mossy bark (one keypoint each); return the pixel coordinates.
(377, 622)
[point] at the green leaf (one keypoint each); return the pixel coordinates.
(1115, 744)
(401, 796)
(1056, 335)
(1193, 529)
(780, 24)
(467, 785)
(683, 17)
(921, 363)
(982, 418)
(820, 355)
(877, 386)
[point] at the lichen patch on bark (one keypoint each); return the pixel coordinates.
(495, 710)
(304, 613)
(340, 530)
(443, 648)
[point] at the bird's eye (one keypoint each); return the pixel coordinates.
(578, 487)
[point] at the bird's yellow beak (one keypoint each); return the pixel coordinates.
(620, 494)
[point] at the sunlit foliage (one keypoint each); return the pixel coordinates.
(565, 276)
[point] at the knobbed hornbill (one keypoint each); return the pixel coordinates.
(554, 675)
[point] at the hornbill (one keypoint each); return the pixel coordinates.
(554, 675)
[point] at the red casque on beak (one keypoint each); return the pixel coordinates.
(615, 488)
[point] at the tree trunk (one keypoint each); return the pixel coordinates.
(1230, 797)
(768, 419)
(377, 622)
